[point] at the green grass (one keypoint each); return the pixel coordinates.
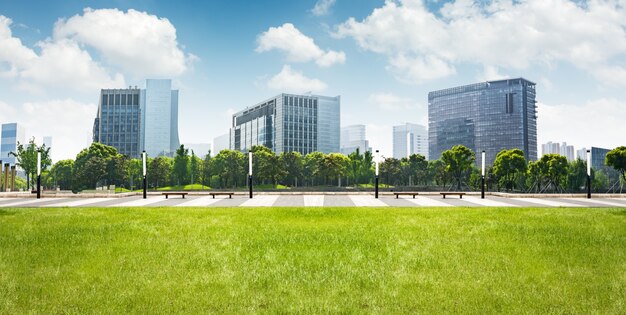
(185, 187)
(312, 260)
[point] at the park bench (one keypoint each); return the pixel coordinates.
(230, 194)
(183, 194)
(405, 193)
(460, 194)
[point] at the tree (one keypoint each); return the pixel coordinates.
(293, 165)
(355, 166)
(313, 167)
(509, 165)
(61, 173)
(96, 153)
(437, 171)
(391, 169)
(159, 170)
(26, 159)
(229, 166)
(367, 167)
(207, 170)
(576, 175)
(195, 168)
(263, 160)
(553, 169)
(616, 158)
(181, 165)
(335, 166)
(458, 162)
(117, 170)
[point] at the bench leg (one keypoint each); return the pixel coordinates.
(213, 196)
(444, 196)
(230, 196)
(397, 196)
(460, 196)
(183, 196)
(413, 196)
(166, 196)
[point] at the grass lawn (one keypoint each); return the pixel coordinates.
(185, 187)
(312, 260)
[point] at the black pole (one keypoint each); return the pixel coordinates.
(376, 193)
(38, 186)
(250, 185)
(482, 187)
(145, 186)
(588, 187)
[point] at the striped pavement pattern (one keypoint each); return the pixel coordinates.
(311, 201)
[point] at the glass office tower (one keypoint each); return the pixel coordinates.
(118, 121)
(490, 116)
(12, 133)
(352, 138)
(159, 104)
(288, 122)
(413, 135)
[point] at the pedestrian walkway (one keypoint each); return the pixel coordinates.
(311, 201)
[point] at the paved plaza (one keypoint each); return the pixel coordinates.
(310, 201)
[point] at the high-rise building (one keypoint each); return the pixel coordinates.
(561, 149)
(567, 151)
(159, 105)
(410, 139)
(352, 138)
(490, 116)
(12, 133)
(288, 122)
(221, 143)
(133, 120)
(118, 121)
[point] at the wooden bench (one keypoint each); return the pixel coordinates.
(460, 194)
(175, 194)
(230, 194)
(405, 193)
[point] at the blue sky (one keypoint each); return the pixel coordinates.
(381, 57)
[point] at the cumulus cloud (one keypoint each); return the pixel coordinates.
(297, 46)
(500, 33)
(322, 7)
(134, 41)
(292, 81)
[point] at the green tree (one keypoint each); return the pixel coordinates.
(355, 166)
(207, 170)
(229, 167)
(616, 158)
(553, 168)
(195, 168)
(335, 166)
(84, 177)
(437, 171)
(159, 170)
(135, 173)
(26, 159)
(367, 167)
(263, 164)
(181, 165)
(293, 165)
(61, 173)
(313, 167)
(458, 162)
(576, 175)
(390, 170)
(508, 166)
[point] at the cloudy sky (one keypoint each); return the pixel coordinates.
(382, 57)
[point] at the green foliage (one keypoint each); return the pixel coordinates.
(61, 174)
(549, 172)
(508, 166)
(229, 167)
(577, 175)
(195, 168)
(313, 168)
(335, 166)
(391, 171)
(437, 172)
(26, 159)
(459, 161)
(181, 166)
(616, 158)
(207, 170)
(293, 165)
(159, 171)
(92, 165)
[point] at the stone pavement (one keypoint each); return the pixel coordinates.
(311, 201)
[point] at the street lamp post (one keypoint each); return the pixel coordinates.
(482, 177)
(38, 174)
(588, 174)
(376, 184)
(145, 179)
(250, 172)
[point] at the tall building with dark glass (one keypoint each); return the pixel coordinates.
(118, 122)
(490, 116)
(288, 122)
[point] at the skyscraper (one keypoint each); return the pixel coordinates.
(410, 139)
(133, 120)
(12, 133)
(562, 149)
(354, 137)
(288, 122)
(490, 116)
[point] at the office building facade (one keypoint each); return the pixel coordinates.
(133, 120)
(490, 116)
(559, 148)
(289, 122)
(12, 134)
(409, 139)
(352, 138)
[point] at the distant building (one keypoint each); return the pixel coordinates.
(561, 149)
(221, 143)
(12, 133)
(490, 116)
(289, 122)
(410, 139)
(133, 120)
(199, 149)
(352, 138)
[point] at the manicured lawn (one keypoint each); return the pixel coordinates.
(312, 260)
(185, 187)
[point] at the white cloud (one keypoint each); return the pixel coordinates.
(68, 130)
(392, 102)
(500, 33)
(292, 81)
(322, 7)
(297, 46)
(597, 123)
(137, 42)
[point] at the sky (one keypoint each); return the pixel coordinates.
(381, 57)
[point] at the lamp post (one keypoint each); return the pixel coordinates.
(38, 174)
(250, 172)
(376, 183)
(588, 174)
(482, 177)
(145, 180)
